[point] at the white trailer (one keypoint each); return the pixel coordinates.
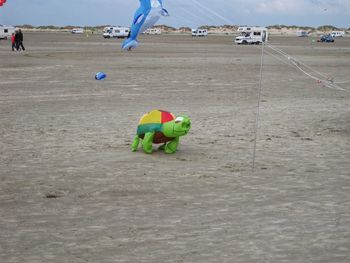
(6, 31)
(252, 35)
(117, 32)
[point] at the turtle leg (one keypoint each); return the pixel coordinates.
(147, 142)
(162, 147)
(135, 143)
(171, 146)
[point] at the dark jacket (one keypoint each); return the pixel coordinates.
(17, 37)
(20, 36)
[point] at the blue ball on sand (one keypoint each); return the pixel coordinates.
(100, 76)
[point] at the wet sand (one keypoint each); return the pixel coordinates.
(72, 191)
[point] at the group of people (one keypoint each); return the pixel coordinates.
(17, 40)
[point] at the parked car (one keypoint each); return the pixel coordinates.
(327, 38)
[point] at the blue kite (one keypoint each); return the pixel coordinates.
(145, 17)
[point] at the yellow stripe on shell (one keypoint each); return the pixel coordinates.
(154, 116)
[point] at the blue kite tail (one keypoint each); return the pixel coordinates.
(130, 44)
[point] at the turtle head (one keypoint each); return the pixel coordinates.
(178, 127)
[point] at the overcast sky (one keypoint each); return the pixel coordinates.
(190, 13)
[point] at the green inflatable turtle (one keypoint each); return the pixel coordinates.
(160, 126)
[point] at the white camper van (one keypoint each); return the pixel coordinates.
(338, 33)
(105, 30)
(302, 33)
(116, 31)
(153, 31)
(199, 32)
(6, 31)
(252, 35)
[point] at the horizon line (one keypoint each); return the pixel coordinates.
(214, 26)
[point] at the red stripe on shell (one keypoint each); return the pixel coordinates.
(167, 116)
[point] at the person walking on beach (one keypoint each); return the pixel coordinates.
(20, 40)
(13, 42)
(16, 40)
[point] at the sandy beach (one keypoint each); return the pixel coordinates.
(72, 191)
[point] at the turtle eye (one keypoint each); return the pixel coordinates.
(179, 119)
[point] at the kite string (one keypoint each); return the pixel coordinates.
(189, 13)
(212, 12)
(205, 12)
(289, 57)
(258, 105)
(328, 82)
(296, 64)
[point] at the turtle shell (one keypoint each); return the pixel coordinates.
(153, 122)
